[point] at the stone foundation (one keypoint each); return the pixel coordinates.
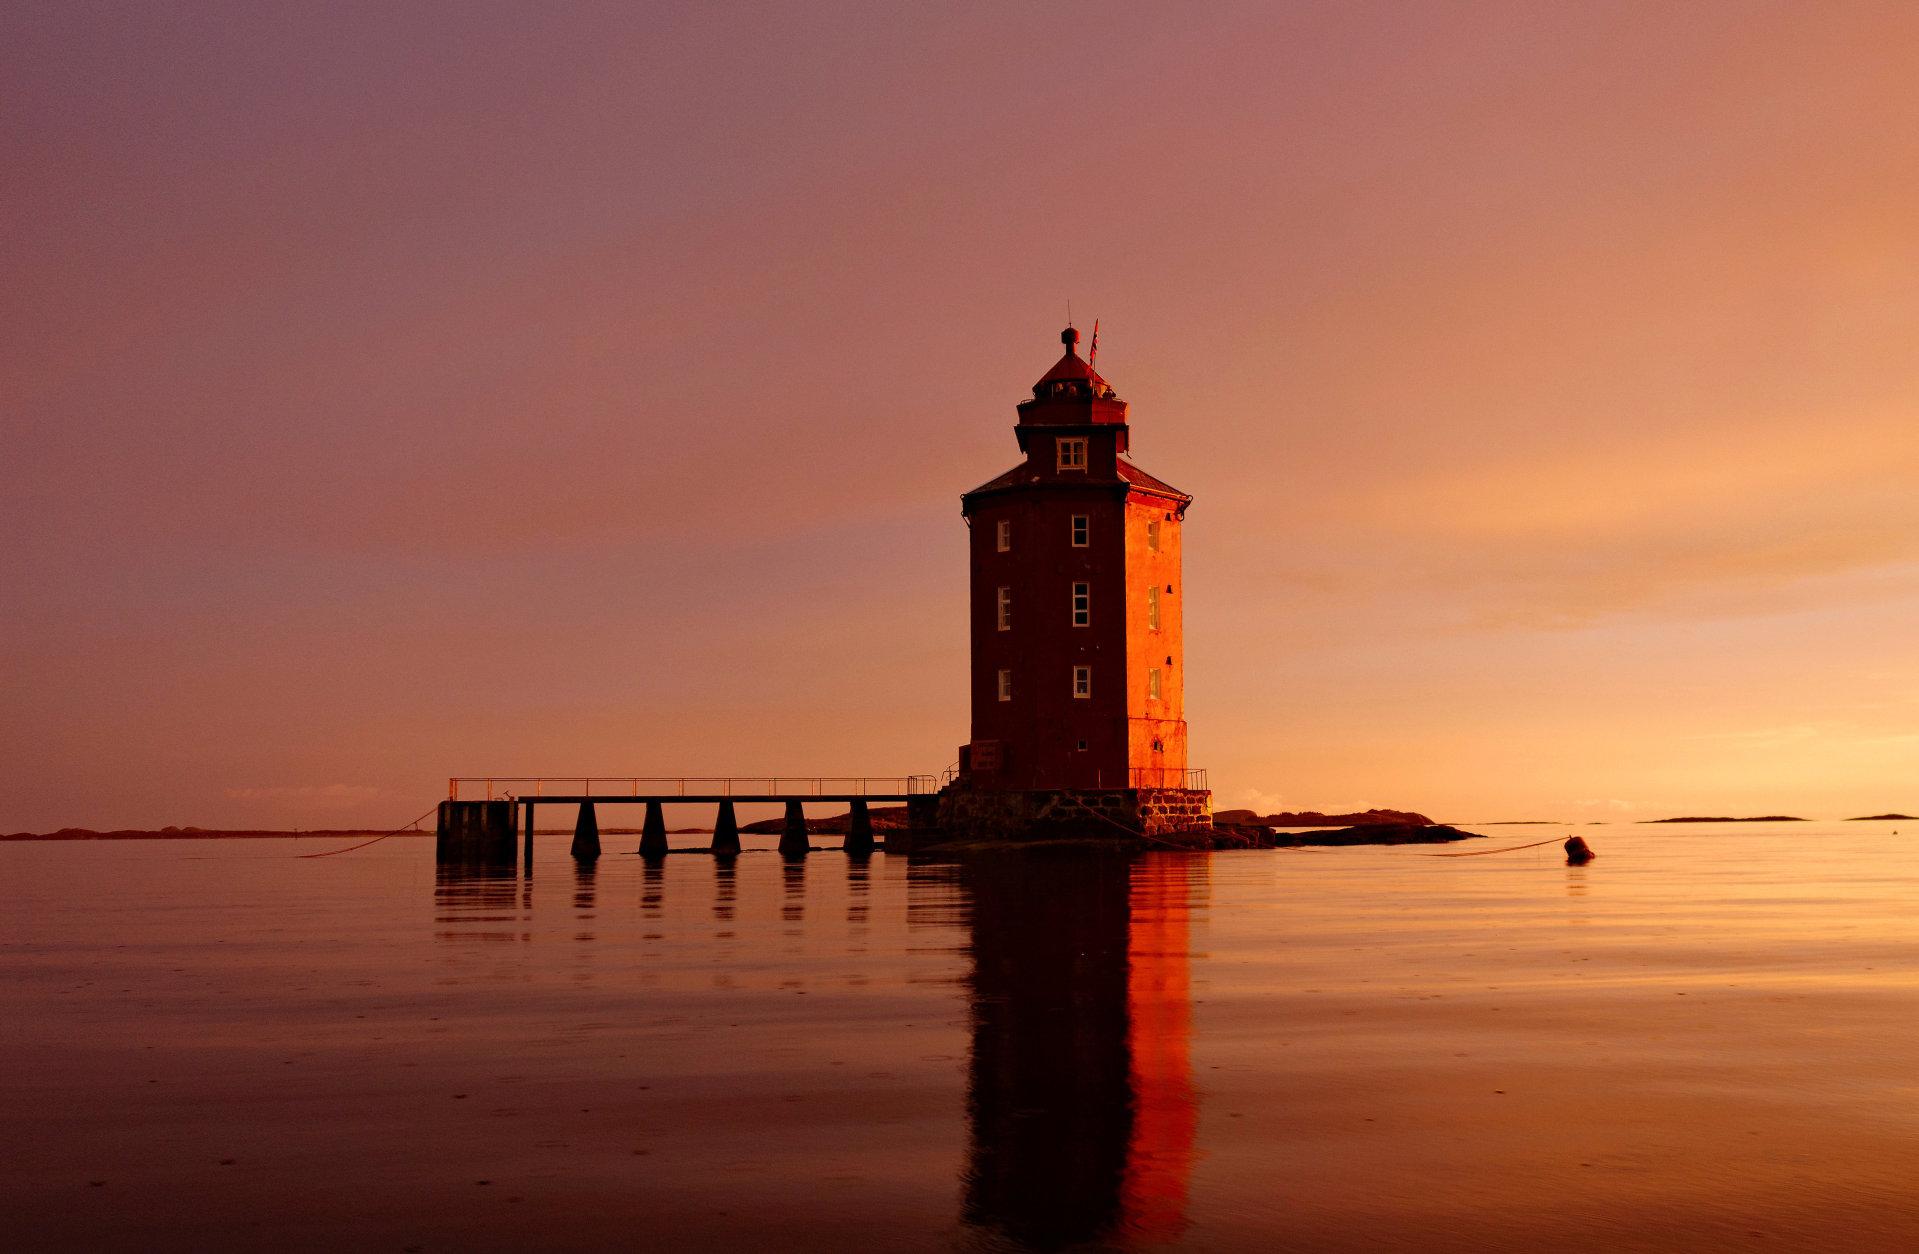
(1164, 811)
(1115, 814)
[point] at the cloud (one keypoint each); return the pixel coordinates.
(1729, 520)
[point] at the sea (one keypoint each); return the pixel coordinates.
(1706, 1039)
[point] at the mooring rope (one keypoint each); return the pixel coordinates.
(1480, 853)
(376, 840)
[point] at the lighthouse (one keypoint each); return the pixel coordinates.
(1078, 666)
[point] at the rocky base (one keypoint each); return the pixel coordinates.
(1316, 818)
(1114, 815)
(1370, 834)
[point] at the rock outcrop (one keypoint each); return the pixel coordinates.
(1313, 818)
(1376, 834)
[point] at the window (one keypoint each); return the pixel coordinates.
(1006, 685)
(1082, 746)
(1152, 609)
(1005, 608)
(1152, 535)
(1152, 684)
(1081, 529)
(1082, 682)
(1072, 452)
(1082, 604)
(1005, 538)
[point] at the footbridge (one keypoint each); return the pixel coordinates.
(482, 823)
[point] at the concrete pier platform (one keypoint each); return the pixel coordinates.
(476, 831)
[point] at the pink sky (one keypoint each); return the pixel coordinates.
(393, 392)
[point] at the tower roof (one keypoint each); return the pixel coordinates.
(1023, 476)
(1071, 369)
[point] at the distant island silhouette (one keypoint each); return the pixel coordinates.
(197, 833)
(1313, 818)
(1760, 818)
(1885, 818)
(884, 819)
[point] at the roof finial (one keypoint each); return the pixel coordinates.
(1069, 337)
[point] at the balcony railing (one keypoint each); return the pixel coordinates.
(524, 786)
(1191, 779)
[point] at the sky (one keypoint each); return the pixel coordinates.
(394, 392)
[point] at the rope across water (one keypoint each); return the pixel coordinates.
(1480, 853)
(376, 840)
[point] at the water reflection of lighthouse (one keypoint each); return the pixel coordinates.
(1081, 1101)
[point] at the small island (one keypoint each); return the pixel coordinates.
(202, 833)
(1313, 818)
(884, 819)
(1761, 818)
(1885, 818)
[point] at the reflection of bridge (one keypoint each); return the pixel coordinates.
(1081, 1107)
(483, 828)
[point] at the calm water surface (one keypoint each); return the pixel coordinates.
(1706, 1039)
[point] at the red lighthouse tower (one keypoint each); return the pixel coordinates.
(1078, 664)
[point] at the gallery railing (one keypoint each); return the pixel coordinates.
(1193, 780)
(494, 786)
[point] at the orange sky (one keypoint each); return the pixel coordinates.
(393, 392)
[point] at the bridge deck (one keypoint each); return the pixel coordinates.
(621, 798)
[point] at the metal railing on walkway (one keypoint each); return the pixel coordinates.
(1193, 779)
(536, 786)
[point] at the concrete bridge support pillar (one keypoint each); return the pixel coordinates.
(653, 832)
(794, 842)
(475, 831)
(859, 831)
(586, 834)
(726, 832)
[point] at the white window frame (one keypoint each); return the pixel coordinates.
(1154, 690)
(1082, 605)
(1006, 685)
(1071, 451)
(1152, 535)
(1082, 683)
(1152, 608)
(1003, 535)
(1005, 603)
(1082, 530)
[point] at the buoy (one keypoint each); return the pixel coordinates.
(1578, 853)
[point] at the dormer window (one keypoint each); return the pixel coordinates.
(1072, 452)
